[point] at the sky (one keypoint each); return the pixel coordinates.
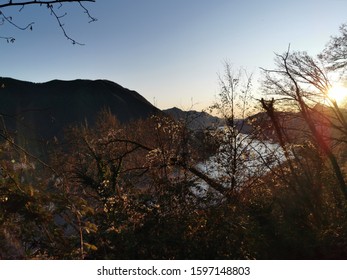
(170, 51)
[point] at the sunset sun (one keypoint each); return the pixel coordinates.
(338, 93)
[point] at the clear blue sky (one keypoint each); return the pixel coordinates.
(170, 51)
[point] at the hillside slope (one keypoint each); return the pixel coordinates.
(40, 111)
(48, 107)
(194, 119)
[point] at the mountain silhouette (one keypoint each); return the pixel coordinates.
(194, 120)
(42, 111)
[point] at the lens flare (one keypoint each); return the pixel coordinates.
(338, 93)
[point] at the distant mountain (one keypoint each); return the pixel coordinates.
(194, 119)
(43, 110)
(295, 128)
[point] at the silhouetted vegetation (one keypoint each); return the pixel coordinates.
(140, 189)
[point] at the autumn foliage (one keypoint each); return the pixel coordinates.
(134, 190)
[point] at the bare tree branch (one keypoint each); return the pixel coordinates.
(10, 21)
(297, 71)
(51, 6)
(35, 2)
(8, 39)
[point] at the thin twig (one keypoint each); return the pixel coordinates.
(34, 2)
(50, 5)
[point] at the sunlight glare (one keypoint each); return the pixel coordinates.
(338, 93)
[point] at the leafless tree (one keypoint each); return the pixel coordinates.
(304, 82)
(238, 159)
(53, 7)
(335, 52)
